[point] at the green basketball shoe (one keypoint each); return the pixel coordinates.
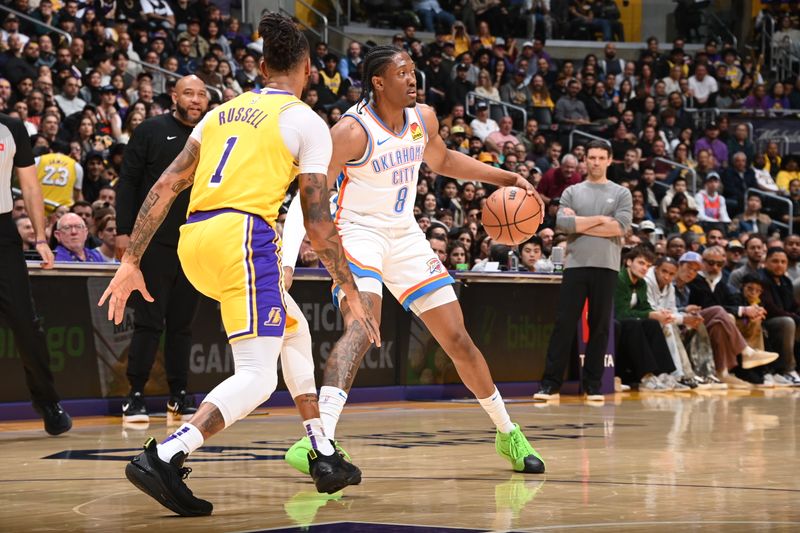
(297, 455)
(516, 448)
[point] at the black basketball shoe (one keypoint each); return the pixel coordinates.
(180, 408)
(134, 409)
(163, 481)
(332, 473)
(56, 419)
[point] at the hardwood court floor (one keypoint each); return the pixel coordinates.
(716, 462)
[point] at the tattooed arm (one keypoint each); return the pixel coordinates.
(314, 190)
(177, 177)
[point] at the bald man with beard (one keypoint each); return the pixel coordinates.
(155, 143)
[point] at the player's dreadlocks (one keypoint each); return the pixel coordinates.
(375, 63)
(284, 44)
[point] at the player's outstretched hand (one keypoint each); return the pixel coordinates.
(127, 279)
(363, 313)
(522, 183)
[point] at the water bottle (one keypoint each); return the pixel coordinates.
(513, 262)
(557, 257)
(543, 266)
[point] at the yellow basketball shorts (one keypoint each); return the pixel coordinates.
(233, 257)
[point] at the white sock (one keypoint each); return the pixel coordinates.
(331, 403)
(187, 439)
(496, 409)
(316, 433)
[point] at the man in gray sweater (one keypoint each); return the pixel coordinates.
(595, 214)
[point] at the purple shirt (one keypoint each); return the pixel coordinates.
(62, 255)
(718, 148)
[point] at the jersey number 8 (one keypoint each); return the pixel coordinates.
(402, 194)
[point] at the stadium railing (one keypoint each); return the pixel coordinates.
(473, 97)
(582, 133)
(17, 193)
(38, 22)
(675, 164)
(776, 198)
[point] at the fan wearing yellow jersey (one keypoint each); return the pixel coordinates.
(240, 161)
(61, 178)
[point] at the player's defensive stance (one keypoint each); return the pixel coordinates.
(378, 147)
(241, 159)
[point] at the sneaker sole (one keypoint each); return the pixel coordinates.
(546, 397)
(136, 418)
(152, 486)
(334, 483)
(748, 363)
(595, 398)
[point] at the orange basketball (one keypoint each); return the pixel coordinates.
(510, 216)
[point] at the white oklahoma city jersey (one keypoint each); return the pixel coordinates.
(380, 188)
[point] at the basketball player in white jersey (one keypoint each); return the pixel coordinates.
(378, 146)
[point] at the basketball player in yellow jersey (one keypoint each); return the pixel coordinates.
(241, 159)
(61, 178)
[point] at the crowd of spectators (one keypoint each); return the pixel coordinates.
(82, 100)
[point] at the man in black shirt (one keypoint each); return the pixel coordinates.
(16, 303)
(153, 146)
(783, 317)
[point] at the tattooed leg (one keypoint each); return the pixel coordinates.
(307, 406)
(208, 420)
(349, 350)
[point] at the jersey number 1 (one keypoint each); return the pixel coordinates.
(216, 178)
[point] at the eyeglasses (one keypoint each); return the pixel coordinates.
(73, 227)
(714, 263)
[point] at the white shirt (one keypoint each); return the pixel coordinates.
(661, 298)
(157, 7)
(702, 89)
(483, 129)
(69, 106)
(699, 199)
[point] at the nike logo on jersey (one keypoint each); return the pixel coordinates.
(383, 141)
(172, 137)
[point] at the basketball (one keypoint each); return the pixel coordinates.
(511, 216)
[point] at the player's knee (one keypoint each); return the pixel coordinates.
(458, 344)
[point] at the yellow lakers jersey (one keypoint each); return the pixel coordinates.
(58, 175)
(244, 163)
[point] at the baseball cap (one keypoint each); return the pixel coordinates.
(95, 155)
(712, 176)
(481, 105)
(527, 43)
(462, 67)
(107, 89)
(691, 257)
(735, 245)
(647, 225)
(457, 129)
(499, 42)
(521, 72)
(485, 157)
